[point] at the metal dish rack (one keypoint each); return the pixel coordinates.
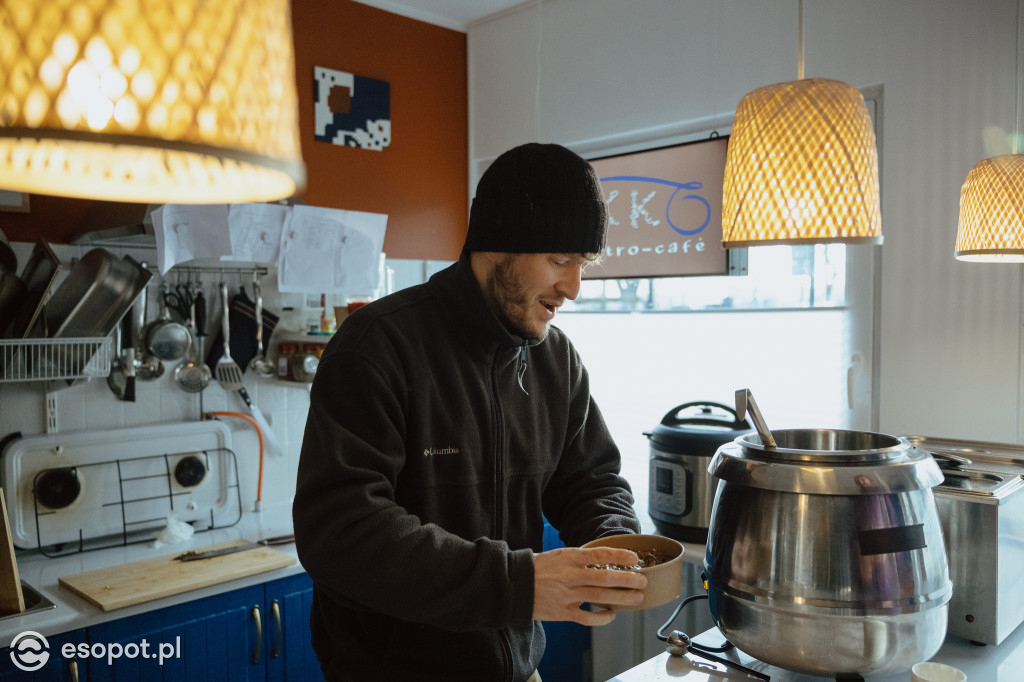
(54, 359)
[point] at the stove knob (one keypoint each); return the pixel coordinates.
(190, 471)
(57, 488)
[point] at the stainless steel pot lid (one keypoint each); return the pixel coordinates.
(827, 462)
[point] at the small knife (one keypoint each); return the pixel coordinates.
(210, 553)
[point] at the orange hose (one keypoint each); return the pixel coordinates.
(259, 433)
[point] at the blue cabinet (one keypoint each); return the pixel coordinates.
(251, 634)
(248, 635)
(214, 639)
(288, 650)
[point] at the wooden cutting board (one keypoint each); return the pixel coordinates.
(164, 576)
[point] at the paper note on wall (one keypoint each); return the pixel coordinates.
(186, 232)
(331, 250)
(256, 231)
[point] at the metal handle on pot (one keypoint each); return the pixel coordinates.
(745, 404)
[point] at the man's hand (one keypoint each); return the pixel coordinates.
(562, 582)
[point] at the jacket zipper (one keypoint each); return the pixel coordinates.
(499, 453)
(499, 475)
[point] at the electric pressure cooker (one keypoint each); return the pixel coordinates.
(681, 491)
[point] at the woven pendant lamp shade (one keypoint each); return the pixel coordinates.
(802, 167)
(187, 101)
(991, 225)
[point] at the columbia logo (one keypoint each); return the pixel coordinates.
(430, 452)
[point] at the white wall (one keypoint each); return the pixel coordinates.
(592, 73)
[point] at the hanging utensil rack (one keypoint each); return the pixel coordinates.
(234, 268)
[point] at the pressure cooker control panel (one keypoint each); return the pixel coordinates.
(668, 487)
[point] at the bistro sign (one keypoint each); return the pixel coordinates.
(664, 212)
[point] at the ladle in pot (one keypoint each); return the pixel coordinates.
(745, 404)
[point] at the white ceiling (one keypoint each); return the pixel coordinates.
(453, 14)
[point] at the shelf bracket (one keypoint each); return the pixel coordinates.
(51, 412)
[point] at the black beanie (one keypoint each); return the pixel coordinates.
(538, 198)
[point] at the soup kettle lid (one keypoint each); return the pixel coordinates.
(827, 462)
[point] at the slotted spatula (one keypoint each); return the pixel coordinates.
(228, 373)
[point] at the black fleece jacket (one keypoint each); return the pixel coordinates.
(435, 442)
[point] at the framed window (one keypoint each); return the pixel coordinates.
(799, 328)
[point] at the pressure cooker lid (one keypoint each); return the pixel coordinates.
(697, 423)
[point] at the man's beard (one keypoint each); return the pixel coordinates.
(509, 300)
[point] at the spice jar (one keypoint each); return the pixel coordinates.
(305, 362)
(285, 352)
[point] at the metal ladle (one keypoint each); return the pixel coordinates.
(147, 367)
(745, 404)
(192, 375)
(259, 362)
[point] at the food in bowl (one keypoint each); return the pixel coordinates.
(645, 559)
(659, 558)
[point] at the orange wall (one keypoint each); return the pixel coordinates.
(419, 180)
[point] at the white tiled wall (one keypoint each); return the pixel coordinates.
(92, 405)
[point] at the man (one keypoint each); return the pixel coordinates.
(444, 421)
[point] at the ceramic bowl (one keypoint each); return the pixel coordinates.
(664, 580)
(936, 672)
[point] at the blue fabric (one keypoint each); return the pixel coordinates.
(568, 644)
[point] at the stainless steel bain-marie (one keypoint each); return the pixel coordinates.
(825, 554)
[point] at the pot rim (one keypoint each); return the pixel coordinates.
(887, 447)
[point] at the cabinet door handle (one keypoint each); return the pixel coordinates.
(275, 609)
(259, 634)
(73, 669)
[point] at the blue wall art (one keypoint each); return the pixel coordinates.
(350, 110)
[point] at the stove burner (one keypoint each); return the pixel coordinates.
(57, 488)
(190, 471)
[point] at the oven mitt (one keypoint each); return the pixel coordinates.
(242, 327)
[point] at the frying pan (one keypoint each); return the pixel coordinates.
(165, 338)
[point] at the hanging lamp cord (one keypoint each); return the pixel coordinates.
(800, 40)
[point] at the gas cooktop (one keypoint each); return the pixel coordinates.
(94, 489)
